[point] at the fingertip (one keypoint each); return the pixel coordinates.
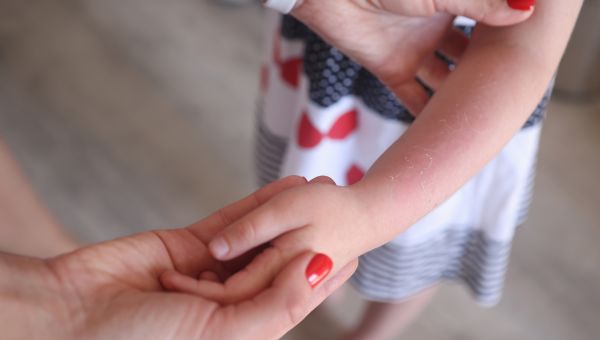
(513, 12)
(323, 180)
(219, 248)
(209, 276)
(522, 5)
(492, 12)
(167, 280)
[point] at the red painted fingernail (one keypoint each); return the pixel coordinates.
(318, 269)
(523, 5)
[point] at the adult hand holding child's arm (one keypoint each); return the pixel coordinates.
(113, 289)
(396, 39)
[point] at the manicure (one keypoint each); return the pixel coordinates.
(219, 248)
(318, 269)
(522, 5)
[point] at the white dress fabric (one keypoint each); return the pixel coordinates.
(321, 114)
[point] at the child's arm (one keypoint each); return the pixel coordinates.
(501, 78)
(482, 104)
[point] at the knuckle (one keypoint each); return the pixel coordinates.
(430, 7)
(223, 216)
(295, 310)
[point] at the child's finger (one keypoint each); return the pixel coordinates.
(214, 223)
(194, 239)
(281, 214)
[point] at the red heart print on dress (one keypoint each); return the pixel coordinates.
(309, 136)
(289, 69)
(354, 174)
(344, 125)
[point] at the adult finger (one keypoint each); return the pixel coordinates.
(433, 71)
(281, 307)
(209, 276)
(283, 213)
(454, 44)
(491, 12)
(412, 95)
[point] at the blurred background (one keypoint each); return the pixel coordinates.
(128, 115)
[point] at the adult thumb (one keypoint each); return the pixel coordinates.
(298, 289)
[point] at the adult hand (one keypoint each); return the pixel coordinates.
(395, 39)
(321, 215)
(114, 290)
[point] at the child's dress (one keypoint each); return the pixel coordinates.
(322, 114)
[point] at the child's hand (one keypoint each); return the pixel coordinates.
(188, 242)
(320, 217)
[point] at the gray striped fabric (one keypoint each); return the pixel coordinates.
(527, 196)
(269, 150)
(394, 273)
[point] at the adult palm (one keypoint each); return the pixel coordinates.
(113, 290)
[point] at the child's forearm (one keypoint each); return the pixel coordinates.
(479, 108)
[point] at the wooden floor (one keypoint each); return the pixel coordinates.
(137, 114)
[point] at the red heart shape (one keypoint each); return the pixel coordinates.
(290, 71)
(354, 174)
(308, 135)
(344, 125)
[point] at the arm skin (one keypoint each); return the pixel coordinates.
(484, 102)
(21, 213)
(29, 296)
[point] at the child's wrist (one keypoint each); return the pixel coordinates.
(373, 207)
(387, 214)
